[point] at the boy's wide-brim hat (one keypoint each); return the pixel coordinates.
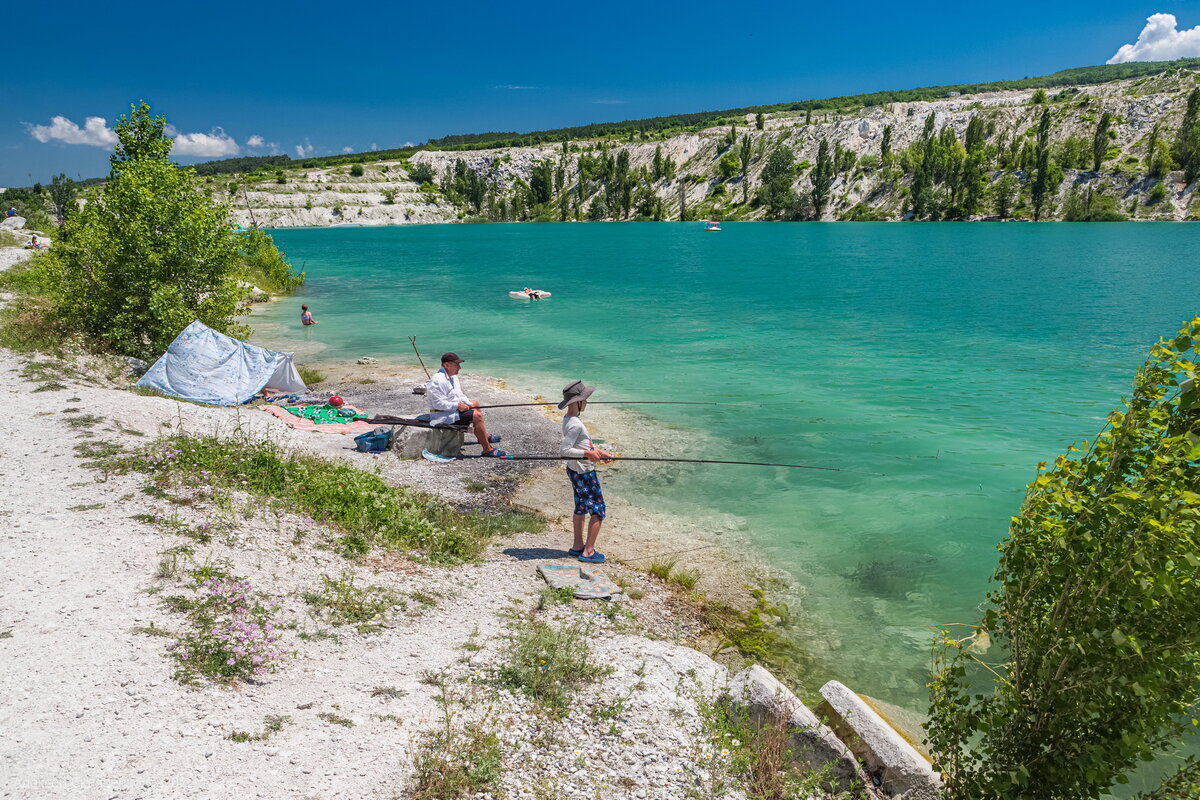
(574, 392)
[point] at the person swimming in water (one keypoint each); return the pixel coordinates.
(306, 317)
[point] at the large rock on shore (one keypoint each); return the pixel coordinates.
(769, 701)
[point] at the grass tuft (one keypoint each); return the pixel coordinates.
(310, 376)
(366, 607)
(661, 568)
(549, 664)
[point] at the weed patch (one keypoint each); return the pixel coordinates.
(685, 578)
(84, 421)
(336, 719)
(549, 664)
(271, 725)
(310, 376)
(758, 757)
(365, 607)
(457, 761)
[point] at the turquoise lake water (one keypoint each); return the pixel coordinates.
(951, 358)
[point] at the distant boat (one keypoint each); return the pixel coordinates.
(712, 226)
(532, 294)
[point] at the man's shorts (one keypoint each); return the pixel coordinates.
(588, 497)
(465, 417)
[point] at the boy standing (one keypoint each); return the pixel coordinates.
(589, 500)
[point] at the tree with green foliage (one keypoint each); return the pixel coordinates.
(657, 168)
(1094, 664)
(1100, 140)
(776, 193)
(1041, 182)
(727, 165)
(421, 173)
(1158, 160)
(63, 192)
(1004, 192)
(148, 253)
(746, 155)
(1039, 98)
(356, 170)
(541, 182)
(885, 147)
(1090, 206)
(822, 179)
(1187, 140)
(760, 122)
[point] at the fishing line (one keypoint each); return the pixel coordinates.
(668, 460)
(624, 403)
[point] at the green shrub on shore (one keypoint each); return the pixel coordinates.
(369, 511)
(265, 266)
(549, 664)
(148, 253)
(309, 375)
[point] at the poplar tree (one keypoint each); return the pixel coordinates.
(760, 121)
(822, 179)
(744, 153)
(1187, 141)
(1041, 183)
(1100, 140)
(885, 148)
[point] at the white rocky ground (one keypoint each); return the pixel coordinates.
(90, 709)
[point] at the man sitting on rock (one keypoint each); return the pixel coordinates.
(450, 406)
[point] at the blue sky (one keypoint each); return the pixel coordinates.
(261, 77)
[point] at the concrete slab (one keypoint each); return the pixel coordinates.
(900, 768)
(588, 584)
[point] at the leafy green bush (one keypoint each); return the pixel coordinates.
(265, 265)
(365, 607)
(1157, 194)
(549, 664)
(356, 170)
(149, 253)
(1095, 609)
(421, 173)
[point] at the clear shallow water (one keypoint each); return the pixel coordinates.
(950, 358)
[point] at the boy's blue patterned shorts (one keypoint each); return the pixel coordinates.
(588, 497)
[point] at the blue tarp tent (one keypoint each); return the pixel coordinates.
(210, 367)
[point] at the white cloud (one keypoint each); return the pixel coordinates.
(1160, 40)
(374, 147)
(212, 145)
(513, 87)
(347, 149)
(305, 150)
(95, 131)
(255, 141)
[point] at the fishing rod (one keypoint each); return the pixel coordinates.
(670, 460)
(413, 341)
(622, 403)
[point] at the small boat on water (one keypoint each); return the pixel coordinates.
(529, 294)
(712, 226)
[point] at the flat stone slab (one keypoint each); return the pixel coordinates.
(898, 765)
(408, 442)
(588, 585)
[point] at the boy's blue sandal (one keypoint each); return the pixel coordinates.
(595, 558)
(495, 453)
(574, 553)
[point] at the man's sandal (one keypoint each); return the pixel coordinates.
(494, 453)
(494, 437)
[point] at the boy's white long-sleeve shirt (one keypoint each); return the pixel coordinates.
(575, 443)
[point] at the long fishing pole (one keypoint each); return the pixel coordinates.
(413, 341)
(671, 460)
(622, 403)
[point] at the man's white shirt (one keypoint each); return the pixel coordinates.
(444, 393)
